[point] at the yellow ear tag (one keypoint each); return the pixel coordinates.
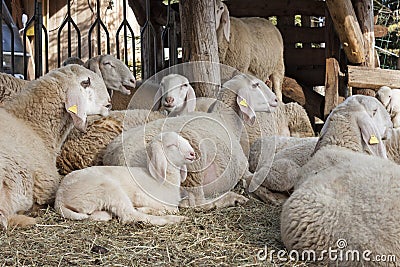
(73, 109)
(373, 140)
(243, 103)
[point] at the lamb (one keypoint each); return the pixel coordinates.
(275, 162)
(348, 189)
(34, 125)
(251, 45)
(130, 193)
(212, 135)
(10, 86)
(390, 98)
(85, 149)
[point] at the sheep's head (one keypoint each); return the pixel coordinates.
(86, 94)
(175, 95)
(115, 73)
(253, 95)
(222, 18)
(384, 95)
(169, 148)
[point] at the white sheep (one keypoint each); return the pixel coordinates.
(34, 125)
(10, 86)
(342, 192)
(85, 149)
(175, 95)
(214, 137)
(251, 45)
(275, 162)
(130, 193)
(390, 98)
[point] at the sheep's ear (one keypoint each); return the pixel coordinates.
(183, 173)
(371, 137)
(227, 23)
(190, 99)
(157, 98)
(243, 101)
(157, 162)
(93, 64)
(75, 104)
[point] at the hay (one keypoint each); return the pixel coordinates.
(224, 237)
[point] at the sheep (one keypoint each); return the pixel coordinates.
(348, 189)
(34, 125)
(175, 95)
(286, 119)
(130, 193)
(251, 45)
(213, 136)
(85, 149)
(115, 74)
(10, 86)
(390, 98)
(275, 162)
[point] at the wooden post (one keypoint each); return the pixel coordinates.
(331, 85)
(365, 15)
(348, 29)
(199, 43)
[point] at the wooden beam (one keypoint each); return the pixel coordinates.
(331, 85)
(372, 78)
(365, 15)
(348, 29)
(240, 8)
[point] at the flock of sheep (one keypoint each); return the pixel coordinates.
(61, 144)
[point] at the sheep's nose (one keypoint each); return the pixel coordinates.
(109, 106)
(133, 81)
(169, 99)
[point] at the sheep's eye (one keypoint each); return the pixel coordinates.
(186, 85)
(221, 8)
(255, 85)
(171, 145)
(374, 111)
(86, 83)
(108, 63)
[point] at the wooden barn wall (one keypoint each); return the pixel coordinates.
(305, 62)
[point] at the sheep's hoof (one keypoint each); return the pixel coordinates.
(100, 216)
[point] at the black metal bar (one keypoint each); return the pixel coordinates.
(68, 19)
(46, 48)
(149, 28)
(125, 25)
(12, 47)
(1, 38)
(99, 23)
(38, 39)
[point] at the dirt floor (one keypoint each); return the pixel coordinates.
(225, 237)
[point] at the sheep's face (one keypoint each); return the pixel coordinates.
(87, 95)
(176, 92)
(384, 95)
(115, 73)
(177, 149)
(219, 10)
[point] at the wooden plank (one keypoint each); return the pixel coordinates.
(294, 34)
(372, 78)
(331, 85)
(348, 29)
(304, 56)
(262, 8)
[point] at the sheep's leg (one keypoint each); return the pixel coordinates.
(227, 200)
(21, 221)
(100, 215)
(268, 196)
(396, 120)
(277, 79)
(3, 220)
